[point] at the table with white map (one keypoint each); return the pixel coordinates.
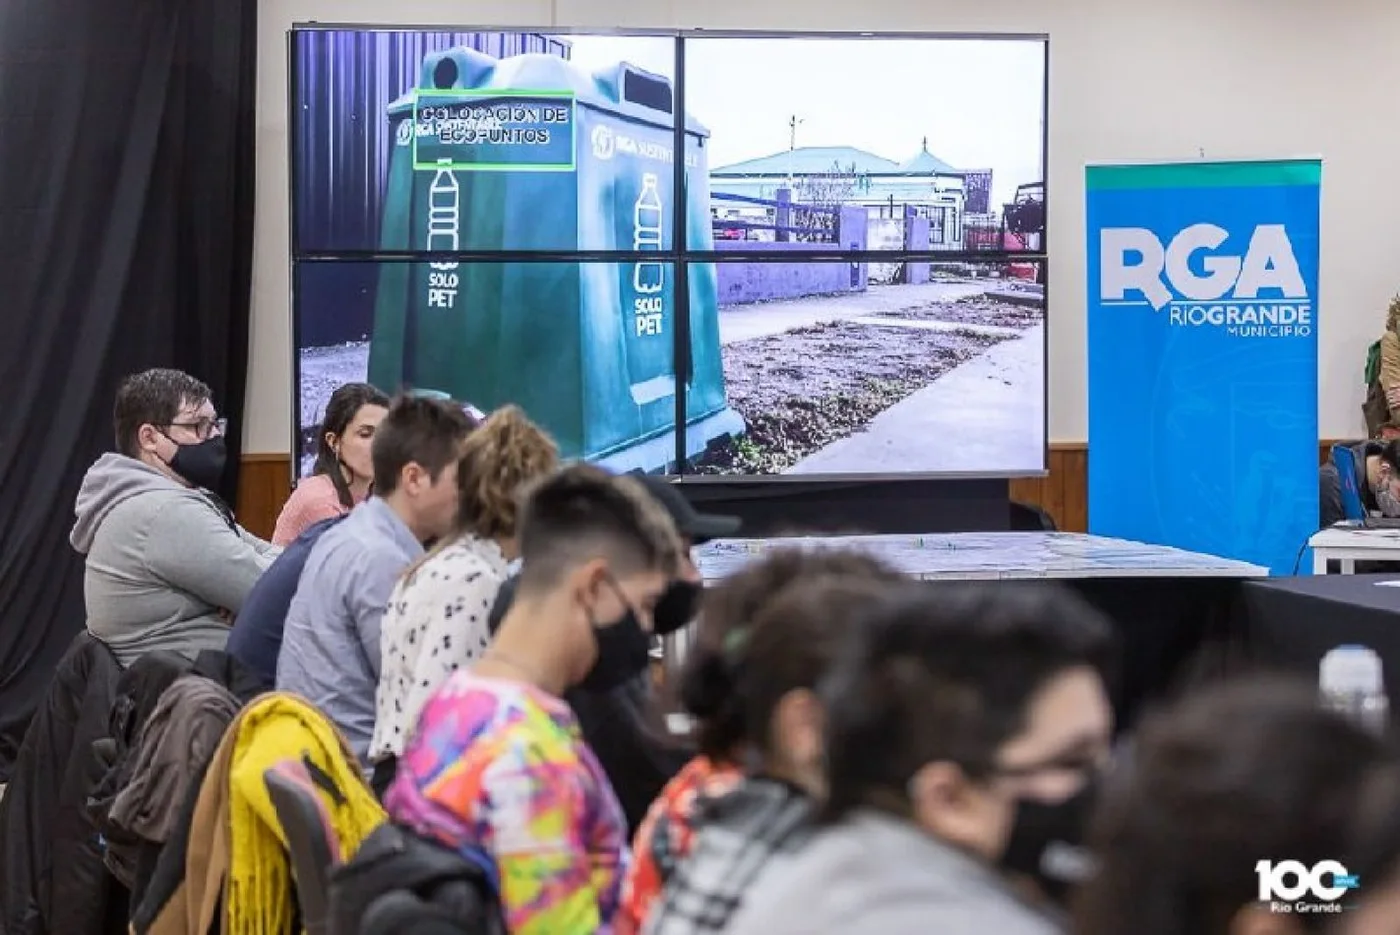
(994, 555)
(989, 556)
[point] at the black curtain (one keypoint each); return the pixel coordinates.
(126, 226)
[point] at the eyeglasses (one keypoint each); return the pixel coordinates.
(204, 428)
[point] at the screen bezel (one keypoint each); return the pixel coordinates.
(678, 255)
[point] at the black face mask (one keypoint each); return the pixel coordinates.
(623, 654)
(201, 464)
(677, 607)
(1047, 842)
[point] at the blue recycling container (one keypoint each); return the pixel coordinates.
(531, 153)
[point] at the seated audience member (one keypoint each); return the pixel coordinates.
(344, 470)
(1377, 480)
(330, 647)
(1259, 771)
(666, 835)
(166, 566)
(767, 673)
(256, 639)
(436, 622)
(682, 599)
(965, 734)
(614, 719)
(496, 767)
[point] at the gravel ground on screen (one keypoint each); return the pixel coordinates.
(798, 391)
(976, 310)
(804, 389)
(323, 369)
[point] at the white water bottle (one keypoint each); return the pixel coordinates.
(1352, 684)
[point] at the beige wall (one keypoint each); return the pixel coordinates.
(1129, 80)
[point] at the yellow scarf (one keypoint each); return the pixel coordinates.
(273, 729)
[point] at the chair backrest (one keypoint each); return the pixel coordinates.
(312, 843)
(1345, 460)
(1027, 517)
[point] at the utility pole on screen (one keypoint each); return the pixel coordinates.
(793, 123)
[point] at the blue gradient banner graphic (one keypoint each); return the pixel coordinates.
(1202, 321)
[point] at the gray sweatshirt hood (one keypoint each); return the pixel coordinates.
(112, 480)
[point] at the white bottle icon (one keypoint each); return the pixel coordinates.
(444, 212)
(444, 233)
(647, 220)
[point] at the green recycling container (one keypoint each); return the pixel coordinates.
(531, 153)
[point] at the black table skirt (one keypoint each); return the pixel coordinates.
(1173, 633)
(1289, 624)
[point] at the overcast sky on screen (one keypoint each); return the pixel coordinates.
(979, 102)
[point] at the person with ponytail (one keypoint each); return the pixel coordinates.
(344, 471)
(764, 636)
(436, 620)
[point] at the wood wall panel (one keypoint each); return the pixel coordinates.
(1063, 492)
(264, 482)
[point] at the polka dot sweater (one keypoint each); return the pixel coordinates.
(435, 624)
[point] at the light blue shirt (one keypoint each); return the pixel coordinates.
(330, 650)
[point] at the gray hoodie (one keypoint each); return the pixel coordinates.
(162, 561)
(873, 874)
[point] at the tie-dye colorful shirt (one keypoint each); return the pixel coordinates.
(500, 767)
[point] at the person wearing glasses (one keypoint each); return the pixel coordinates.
(166, 565)
(966, 729)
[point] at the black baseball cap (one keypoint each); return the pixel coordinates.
(696, 526)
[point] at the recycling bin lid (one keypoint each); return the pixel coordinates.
(622, 90)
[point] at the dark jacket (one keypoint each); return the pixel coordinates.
(158, 879)
(52, 878)
(401, 882)
(256, 637)
(138, 691)
(637, 756)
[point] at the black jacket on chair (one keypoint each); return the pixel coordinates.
(52, 878)
(138, 692)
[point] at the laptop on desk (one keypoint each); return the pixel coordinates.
(1389, 523)
(1345, 460)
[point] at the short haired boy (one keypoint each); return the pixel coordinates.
(330, 646)
(497, 767)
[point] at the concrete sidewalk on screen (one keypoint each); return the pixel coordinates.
(761, 319)
(985, 416)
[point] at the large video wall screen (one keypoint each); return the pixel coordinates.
(841, 242)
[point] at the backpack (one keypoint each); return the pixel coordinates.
(399, 881)
(1375, 410)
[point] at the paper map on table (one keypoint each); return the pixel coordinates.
(993, 555)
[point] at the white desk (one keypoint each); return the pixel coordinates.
(1350, 544)
(995, 555)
